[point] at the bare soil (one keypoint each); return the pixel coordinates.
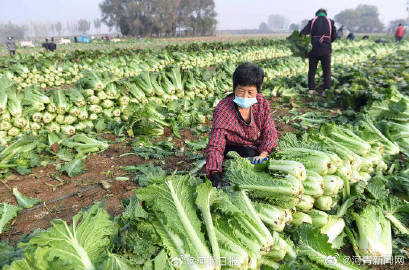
(62, 197)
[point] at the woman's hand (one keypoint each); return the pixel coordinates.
(260, 158)
(263, 154)
(216, 179)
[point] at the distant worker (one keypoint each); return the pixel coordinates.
(400, 32)
(75, 39)
(11, 46)
(381, 40)
(49, 46)
(323, 33)
(45, 44)
(351, 36)
(52, 46)
(365, 37)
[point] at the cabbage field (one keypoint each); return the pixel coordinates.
(102, 160)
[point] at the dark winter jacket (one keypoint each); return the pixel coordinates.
(320, 45)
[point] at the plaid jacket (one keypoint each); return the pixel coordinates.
(229, 128)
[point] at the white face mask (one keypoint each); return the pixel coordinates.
(245, 102)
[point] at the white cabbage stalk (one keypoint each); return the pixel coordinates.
(124, 100)
(382, 166)
(35, 126)
(306, 204)
(20, 122)
(107, 103)
(3, 134)
(94, 100)
(95, 109)
(68, 130)
(323, 203)
(332, 185)
(59, 119)
(319, 218)
(93, 116)
(5, 125)
(365, 176)
(102, 96)
(89, 124)
(48, 117)
(37, 117)
(274, 216)
(80, 126)
(374, 233)
(69, 119)
(314, 184)
(53, 127)
(51, 108)
(355, 177)
(116, 112)
(333, 228)
(366, 165)
(300, 217)
(83, 115)
(6, 116)
(74, 111)
(13, 132)
(345, 170)
(89, 92)
(291, 167)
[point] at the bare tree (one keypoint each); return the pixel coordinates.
(58, 28)
(159, 17)
(278, 22)
(263, 28)
(13, 30)
(40, 29)
(84, 25)
(364, 19)
(97, 24)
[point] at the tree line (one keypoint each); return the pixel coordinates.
(362, 19)
(42, 29)
(160, 17)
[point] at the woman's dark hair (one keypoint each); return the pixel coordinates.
(248, 74)
(321, 10)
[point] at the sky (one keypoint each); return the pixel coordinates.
(232, 14)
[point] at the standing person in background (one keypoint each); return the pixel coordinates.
(351, 36)
(323, 33)
(52, 46)
(45, 44)
(400, 32)
(11, 46)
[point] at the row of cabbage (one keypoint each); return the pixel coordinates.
(188, 225)
(49, 74)
(185, 224)
(129, 66)
(103, 94)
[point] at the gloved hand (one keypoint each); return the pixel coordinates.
(257, 159)
(217, 181)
